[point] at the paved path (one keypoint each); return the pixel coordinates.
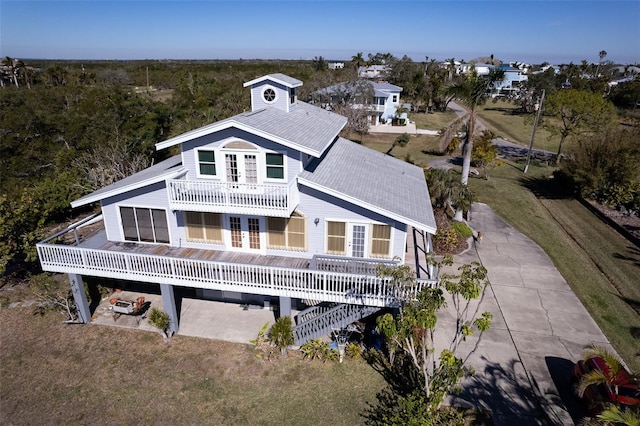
(540, 328)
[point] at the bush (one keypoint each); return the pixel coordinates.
(159, 319)
(461, 229)
(317, 349)
(281, 334)
(353, 350)
(446, 239)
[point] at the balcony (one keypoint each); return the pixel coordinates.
(276, 200)
(93, 255)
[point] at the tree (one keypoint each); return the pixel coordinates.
(357, 60)
(319, 63)
(470, 90)
(601, 55)
(576, 112)
(13, 72)
(484, 152)
(402, 140)
(409, 335)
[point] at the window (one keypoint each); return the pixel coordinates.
(275, 166)
(145, 225)
(204, 227)
(395, 98)
(269, 95)
(287, 234)
(292, 96)
(380, 241)
(207, 163)
(336, 237)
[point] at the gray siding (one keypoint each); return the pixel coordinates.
(282, 100)
(315, 204)
(153, 196)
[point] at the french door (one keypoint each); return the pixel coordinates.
(244, 234)
(241, 168)
(357, 240)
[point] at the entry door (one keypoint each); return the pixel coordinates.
(245, 233)
(241, 168)
(357, 240)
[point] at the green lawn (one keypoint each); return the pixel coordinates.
(501, 117)
(600, 266)
(433, 121)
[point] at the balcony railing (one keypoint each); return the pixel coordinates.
(277, 200)
(256, 279)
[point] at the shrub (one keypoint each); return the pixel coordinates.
(159, 319)
(314, 349)
(446, 240)
(281, 334)
(353, 350)
(461, 229)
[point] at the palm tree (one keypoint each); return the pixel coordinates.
(596, 376)
(602, 55)
(357, 60)
(470, 90)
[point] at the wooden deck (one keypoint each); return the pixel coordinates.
(201, 254)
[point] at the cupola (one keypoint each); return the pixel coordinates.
(274, 90)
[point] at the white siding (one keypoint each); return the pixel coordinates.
(217, 140)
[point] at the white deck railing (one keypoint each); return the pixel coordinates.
(224, 197)
(275, 281)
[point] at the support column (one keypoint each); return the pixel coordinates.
(285, 306)
(169, 306)
(80, 297)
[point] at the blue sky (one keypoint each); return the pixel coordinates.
(530, 31)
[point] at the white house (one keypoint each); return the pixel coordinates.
(381, 100)
(335, 65)
(373, 71)
(266, 207)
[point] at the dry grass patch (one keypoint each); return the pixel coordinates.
(55, 373)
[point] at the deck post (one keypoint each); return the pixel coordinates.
(169, 305)
(80, 297)
(285, 307)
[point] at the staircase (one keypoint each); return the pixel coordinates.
(320, 320)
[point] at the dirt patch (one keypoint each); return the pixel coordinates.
(630, 223)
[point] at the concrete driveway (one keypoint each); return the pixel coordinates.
(540, 328)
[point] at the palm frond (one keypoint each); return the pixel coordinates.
(594, 377)
(614, 415)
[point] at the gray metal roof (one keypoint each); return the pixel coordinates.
(305, 125)
(373, 180)
(148, 176)
(307, 128)
(278, 77)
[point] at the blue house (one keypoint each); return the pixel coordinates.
(268, 207)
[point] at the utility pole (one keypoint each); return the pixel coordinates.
(533, 133)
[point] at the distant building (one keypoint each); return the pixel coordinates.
(373, 71)
(336, 65)
(381, 107)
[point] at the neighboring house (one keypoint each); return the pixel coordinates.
(513, 80)
(266, 207)
(481, 69)
(373, 71)
(381, 100)
(336, 65)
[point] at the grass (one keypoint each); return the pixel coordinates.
(420, 149)
(601, 266)
(53, 373)
(433, 121)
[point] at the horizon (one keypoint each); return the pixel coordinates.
(534, 32)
